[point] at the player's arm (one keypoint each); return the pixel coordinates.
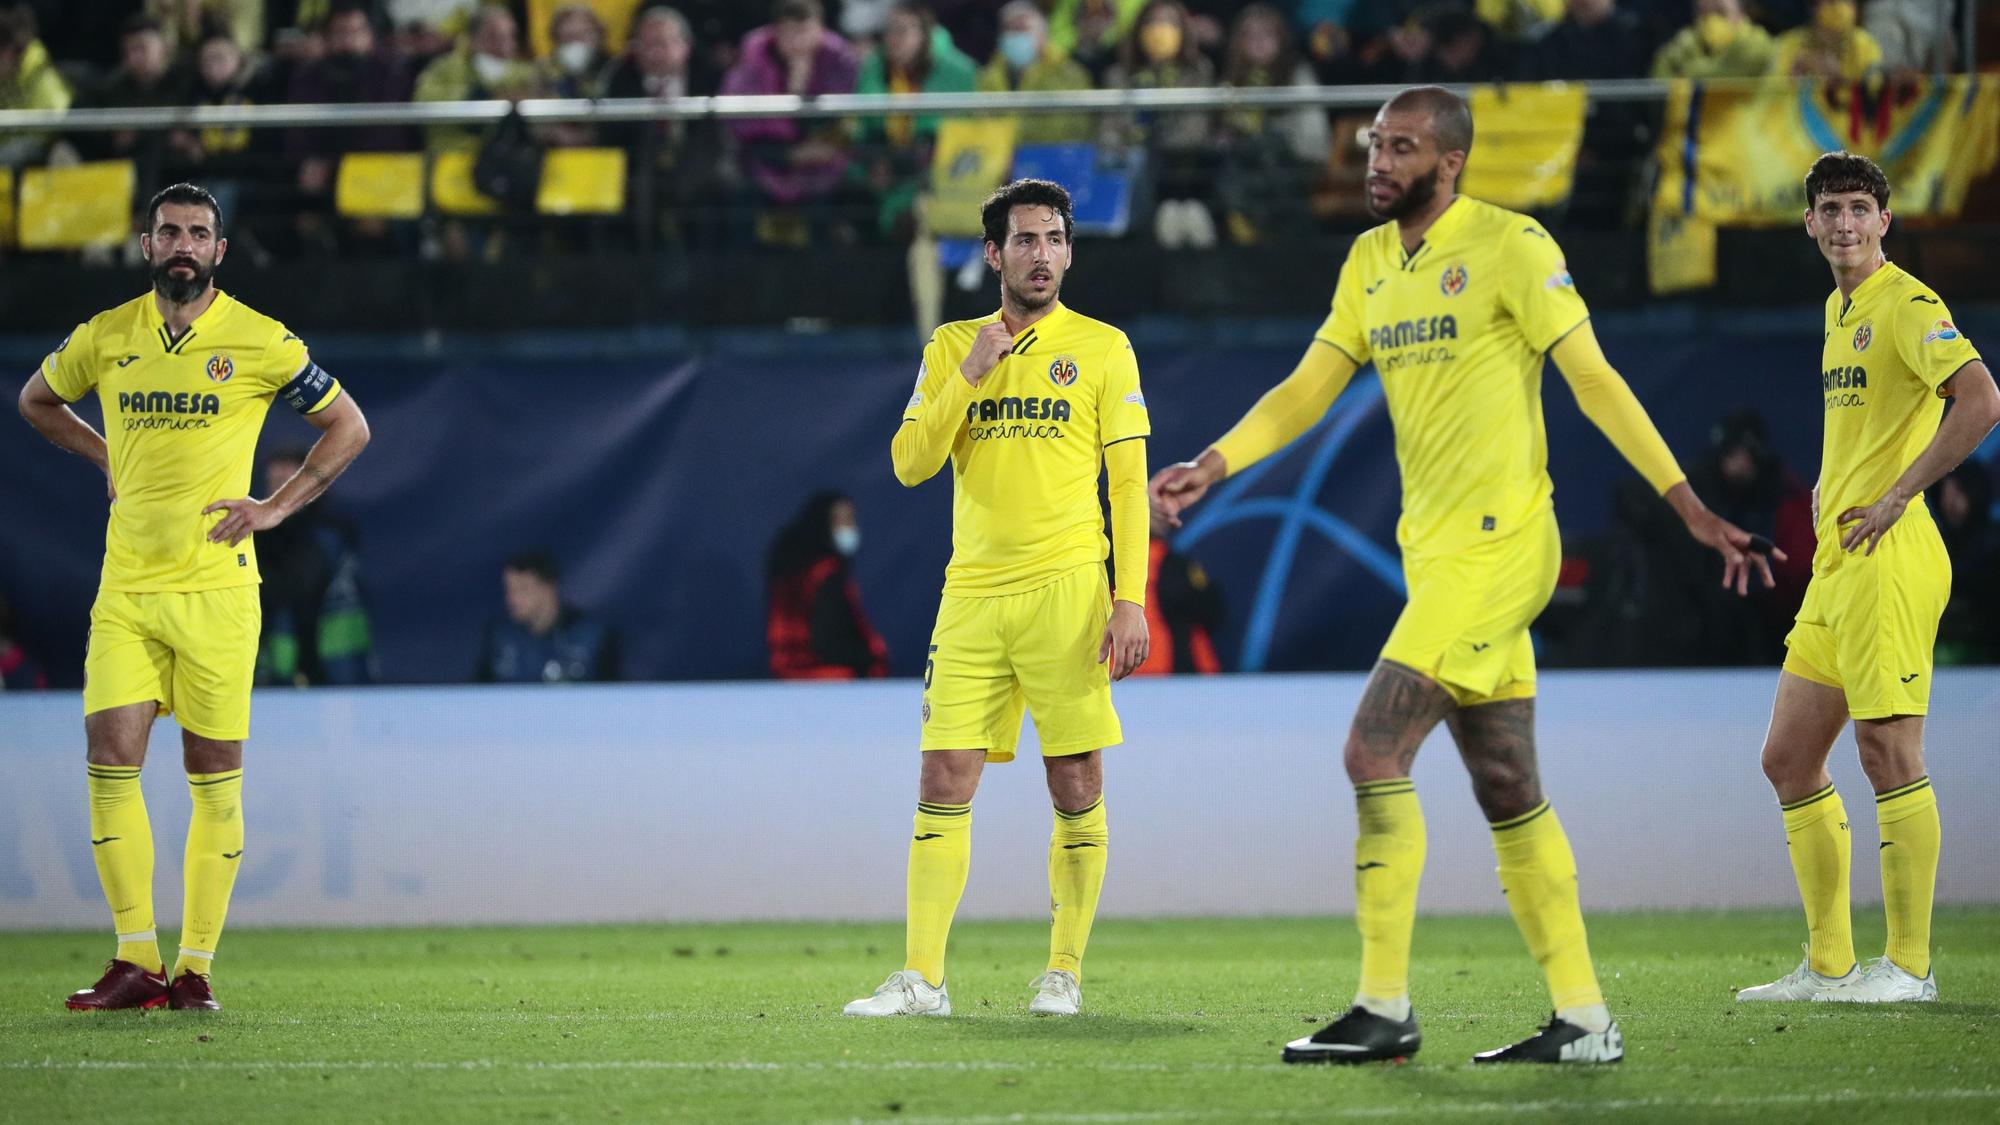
(1286, 411)
(937, 409)
(1607, 400)
(50, 415)
(1975, 410)
(343, 433)
(1126, 640)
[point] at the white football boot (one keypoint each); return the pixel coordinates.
(1059, 994)
(1803, 983)
(905, 993)
(1885, 982)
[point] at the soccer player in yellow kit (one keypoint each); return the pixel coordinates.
(184, 375)
(1030, 405)
(1861, 647)
(1456, 302)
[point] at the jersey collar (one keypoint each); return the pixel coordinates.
(158, 323)
(1030, 336)
(1874, 281)
(1440, 230)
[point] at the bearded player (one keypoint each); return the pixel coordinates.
(1030, 406)
(1861, 647)
(184, 375)
(1456, 302)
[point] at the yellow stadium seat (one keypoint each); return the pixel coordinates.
(582, 181)
(452, 191)
(71, 208)
(1524, 156)
(6, 207)
(380, 185)
(971, 159)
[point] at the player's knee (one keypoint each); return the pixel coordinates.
(1368, 761)
(1787, 770)
(1504, 790)
(1887, 758)
(114, 744)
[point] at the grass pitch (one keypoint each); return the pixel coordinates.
(1183, 1022)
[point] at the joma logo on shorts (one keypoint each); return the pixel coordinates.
(165, 402)
(1007, 409)
(1403, 333)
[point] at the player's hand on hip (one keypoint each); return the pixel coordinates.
(1126, 641)
(1871, 523)
(1742, 553)
(245, 516)
(1177, 487)
(988, 349)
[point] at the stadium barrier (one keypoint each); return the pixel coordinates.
(458, 806)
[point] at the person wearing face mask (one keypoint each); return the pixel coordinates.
(816, 627)
(1024, 59)
(1721, 43)
(576, 65)
(1183, 146)
(487, 64)
(1830, 46)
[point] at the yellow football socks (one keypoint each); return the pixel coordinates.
(940, 856)
(1817, 837)
(1076, 876)
(214, 853)
(121, 844)
(1538, 872)
(1388, 862)
(1908, 816)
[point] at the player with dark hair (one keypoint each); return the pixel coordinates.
(184, 375)
(1029, 405)
(1861, 646)
(1456, 302)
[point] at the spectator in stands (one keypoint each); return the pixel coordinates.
(1268, 155)
(797, 165)
(233, 163)
(915, 57)
(1092, 32)
(1183, 611)
(1911, 32)
(18, 670)
(1463, 49)
(1595, 39)
(867, 21)
(1160, 54)
(719, 28)
(1721, 43)
(541, 639)
(359, 67)
(426, 29)
(28, 80)
(676, 162)
(1026, 60)
(1969, 632)
(1831, 46)
(187, 24)
(578, 67)
(487, 65)
(315, 607)
(614, 21)
(147, 77)
(816, 627)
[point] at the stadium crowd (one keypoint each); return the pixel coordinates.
(1244, 175)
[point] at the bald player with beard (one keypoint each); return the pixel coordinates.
(1456, 302)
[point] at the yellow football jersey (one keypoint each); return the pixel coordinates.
(1026, 460)
(1882, 362)
(1457, 331)
(181, 417)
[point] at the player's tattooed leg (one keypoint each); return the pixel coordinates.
(1399, 707)
(1497, 742)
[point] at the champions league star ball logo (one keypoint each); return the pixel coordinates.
(1863, 335)
(1063, 371)
(220, 368)
(1453, 281)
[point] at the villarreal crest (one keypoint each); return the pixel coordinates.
(220, 368)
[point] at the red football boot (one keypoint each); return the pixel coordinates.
(123, 985)
(190, 993)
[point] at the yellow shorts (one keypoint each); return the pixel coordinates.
(195, 653)
(1466, 624)
(1869, 623)
(992, 658)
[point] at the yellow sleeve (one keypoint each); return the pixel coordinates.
(1131, 519)
(1121, 404)
(294, 378)
(1342, 327)
(71, 370)
(1538, 291)
(1607, 400)
(1290, 408)
(931, 419)
(1928, 342)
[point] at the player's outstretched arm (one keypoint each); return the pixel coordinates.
(1607, 400)
(1126, 640)
(1975, 410)
(51, 417)
(937, 409)
(1286, 411)
(343, 433)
